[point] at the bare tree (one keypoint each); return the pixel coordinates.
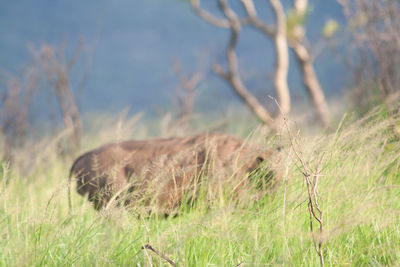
(279, 35)
(232, 75)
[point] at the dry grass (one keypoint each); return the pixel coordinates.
(359, 188)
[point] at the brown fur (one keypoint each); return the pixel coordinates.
(164, 168)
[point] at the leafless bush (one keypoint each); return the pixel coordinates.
(56, 68)
(374, 28)
(50, 69)
(14, 107)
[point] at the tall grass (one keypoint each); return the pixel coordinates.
(359, 192)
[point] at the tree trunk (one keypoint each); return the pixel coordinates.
(282, 58)
(311, 83)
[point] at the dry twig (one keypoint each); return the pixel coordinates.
(149, 247)
(311, 178)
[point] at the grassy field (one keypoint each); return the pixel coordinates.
(358, 190)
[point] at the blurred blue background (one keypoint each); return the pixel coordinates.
(130, 46)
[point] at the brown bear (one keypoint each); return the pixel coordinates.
(161, 170)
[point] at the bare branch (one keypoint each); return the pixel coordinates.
(188, 84)
(186, 98)
(254, 20)
(232, 76)
(57, 75)
(75, 56)
(208, 17)
(220, 72)
(149, 247)
(245, 95)
(250, 9)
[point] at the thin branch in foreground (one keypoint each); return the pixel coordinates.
(149, 247)
(313, 205)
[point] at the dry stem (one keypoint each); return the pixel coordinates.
(312, 189)
(148, 246)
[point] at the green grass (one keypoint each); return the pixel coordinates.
(359, 193)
